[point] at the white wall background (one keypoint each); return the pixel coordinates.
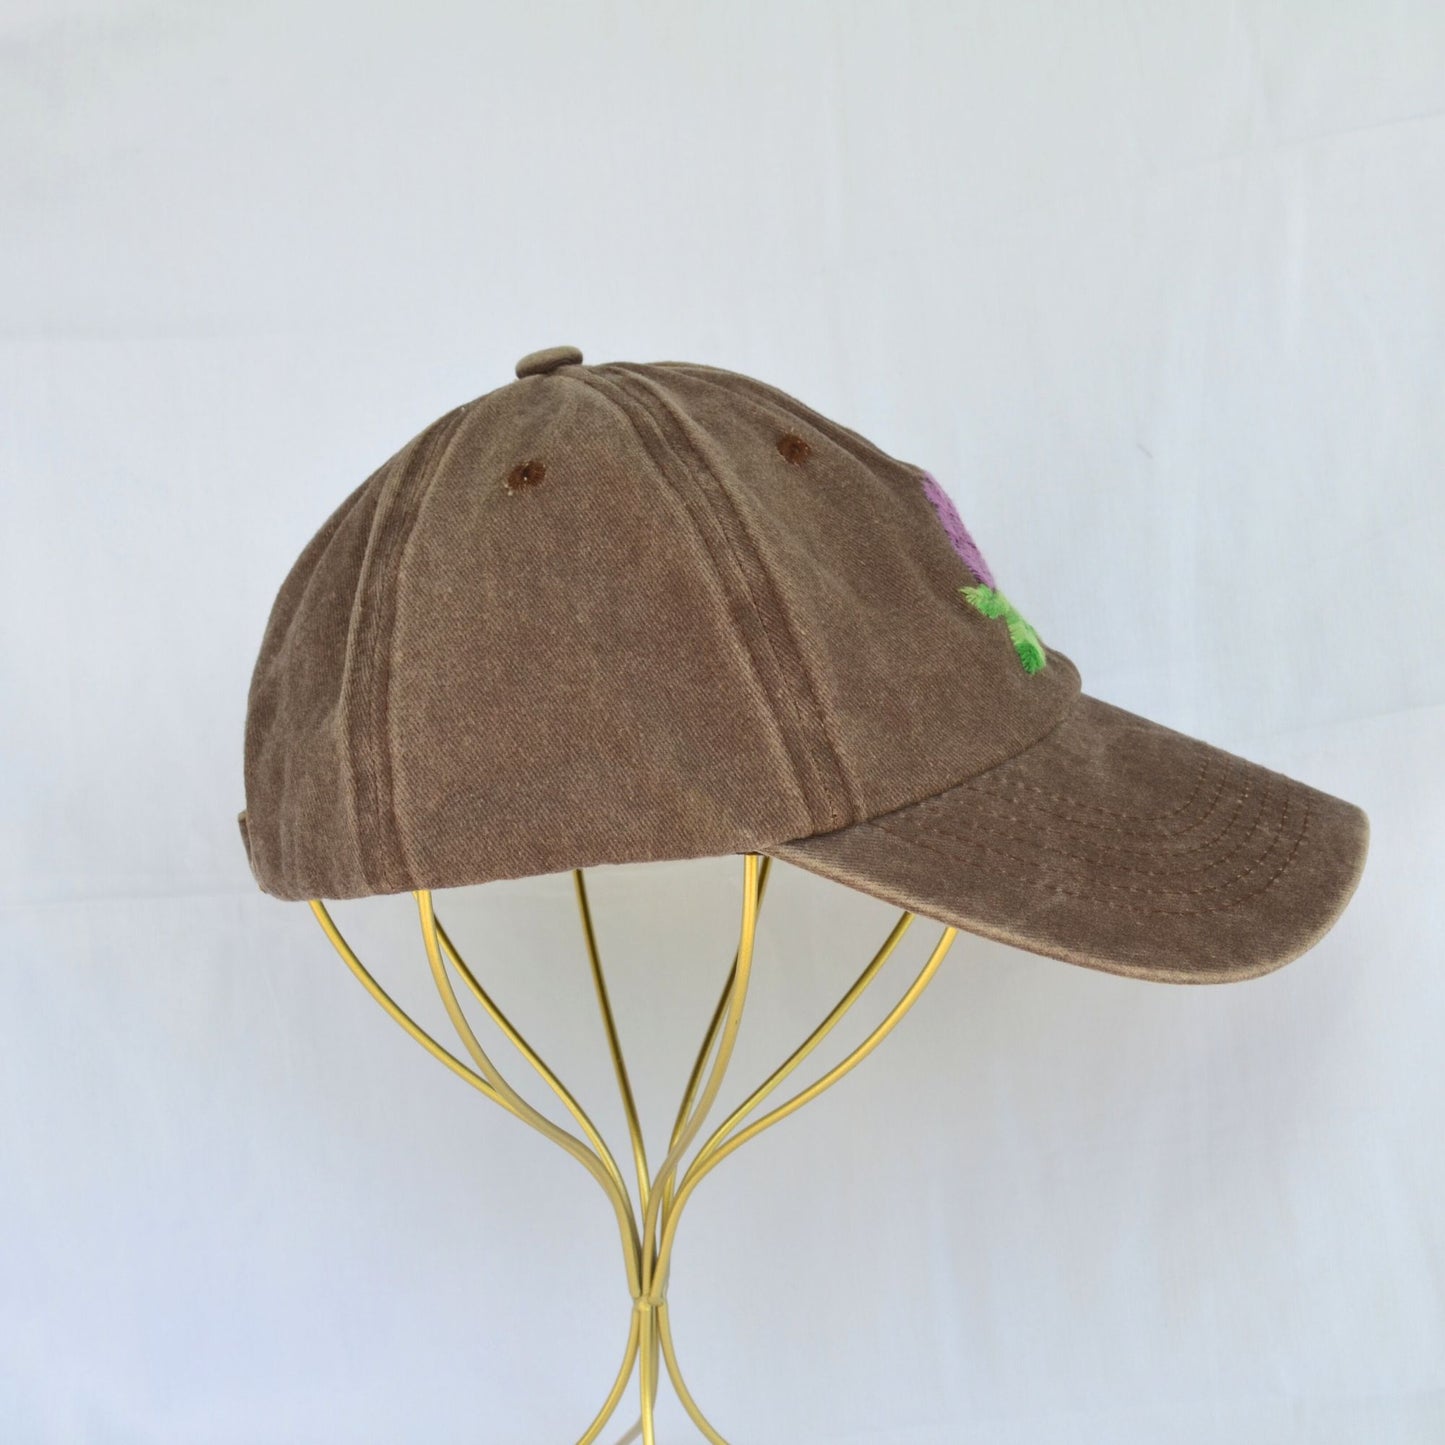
(1156, 289)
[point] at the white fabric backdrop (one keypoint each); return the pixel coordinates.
(1156, 290)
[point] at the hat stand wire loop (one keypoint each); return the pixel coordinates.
(649, 1230)
(603, 1153)
(614, 1044)
(598, 1160)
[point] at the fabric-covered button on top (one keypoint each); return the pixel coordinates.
(538, 363)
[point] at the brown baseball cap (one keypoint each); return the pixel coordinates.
(616, 613)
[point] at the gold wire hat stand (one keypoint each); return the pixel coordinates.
(648, 1226)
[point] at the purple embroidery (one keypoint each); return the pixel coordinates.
(958, 537)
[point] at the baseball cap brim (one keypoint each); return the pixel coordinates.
(1120, 845)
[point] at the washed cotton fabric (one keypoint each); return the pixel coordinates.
(678, 587)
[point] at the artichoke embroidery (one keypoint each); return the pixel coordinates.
(993, 603)
(985, 596)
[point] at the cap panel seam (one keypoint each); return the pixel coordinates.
(368, 687)
(827, 793)
(296, 591)
(868, 453)
(794, 745)
(434, 467)
(357, 670)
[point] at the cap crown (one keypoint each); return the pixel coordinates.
(616, 613)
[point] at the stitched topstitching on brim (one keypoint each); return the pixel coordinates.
(1196, 857)
(976, 846)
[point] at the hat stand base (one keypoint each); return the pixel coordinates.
(647, 1225)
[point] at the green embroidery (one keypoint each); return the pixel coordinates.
(1024, 638)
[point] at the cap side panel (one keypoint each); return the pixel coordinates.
(920, 689)
(570, 683)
